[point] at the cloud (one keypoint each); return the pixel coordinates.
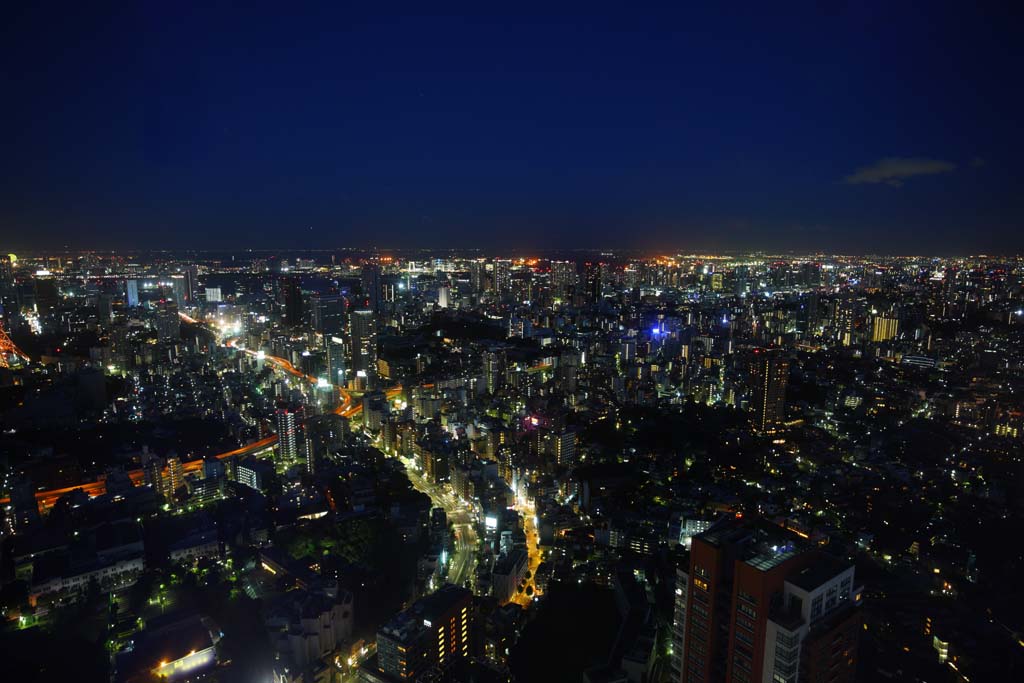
(894, 170)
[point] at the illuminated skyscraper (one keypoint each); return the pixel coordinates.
(502, 276)
(563, 278)
(178, 288)
(191, 284)
(843, 314)
(336, 373)
(477, 276)
(287, 432)
(769, 375)
(364, 340)
(175, 474)
(494, 370)
(132, 293)
(593, 274)
(564, 446)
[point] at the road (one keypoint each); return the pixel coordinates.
(462, 565)
(532, 551)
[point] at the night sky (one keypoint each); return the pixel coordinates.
(825, 126)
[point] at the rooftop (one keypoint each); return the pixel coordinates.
(820, 572)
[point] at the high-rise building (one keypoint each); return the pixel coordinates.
(593, 274)
(292, 293)
(46, 293)
(254, 473)
(375, 410)
(759, 604)
(175, 474)
(336, 373)
(8, 294)
(502, 276)
(563, 278)
(443, 296)
(213, 295)
(288, 421)
(328, 312)
(105, 307)
(153, 475)
(6, 270)
(166, 321)
(324, 433)
(884, 328)
(432, 634)
(494, 370)
(132, 293)
(843, 314)
(564, 447)
(178, 287)
(477, 276)
(371, 282)
(363, 331)
(191, 284)
(682, 593)
(769, 374)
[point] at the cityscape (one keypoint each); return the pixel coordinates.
(579, 466)
(574, 343)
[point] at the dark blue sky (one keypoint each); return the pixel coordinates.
(825, 125)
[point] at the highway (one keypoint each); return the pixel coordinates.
(462, 564)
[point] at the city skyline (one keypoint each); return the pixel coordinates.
(587, 466)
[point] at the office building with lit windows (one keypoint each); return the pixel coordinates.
(425, 639)
(363, 326)
(288, 422)
(563, 278)
(769, 374)
(884, 328)
(502, 276)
